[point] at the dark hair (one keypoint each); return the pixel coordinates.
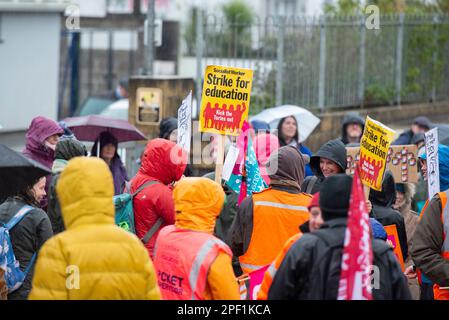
(26, 194)
(280, 135)
(105, 138)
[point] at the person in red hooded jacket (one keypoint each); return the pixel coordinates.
(163, 163)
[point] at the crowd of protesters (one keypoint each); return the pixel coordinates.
(192, 237)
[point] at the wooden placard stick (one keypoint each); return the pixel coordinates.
(220, 158)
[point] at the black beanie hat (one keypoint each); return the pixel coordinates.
(166, 127)
(335, 194)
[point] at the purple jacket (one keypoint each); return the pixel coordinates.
(40, 129)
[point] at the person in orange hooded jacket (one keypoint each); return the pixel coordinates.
(191, 263)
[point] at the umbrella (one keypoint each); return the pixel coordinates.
(307, 121)
(118, 109)
(443, 133)
(88, 128)
(17, 171)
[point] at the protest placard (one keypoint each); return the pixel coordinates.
(185, 123)
(402, 161)
(225, 99)
(433, 169)
(393, 241)
(374, 147)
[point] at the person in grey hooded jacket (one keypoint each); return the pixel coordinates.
(352, 128)
(65, 150)
(329, 160)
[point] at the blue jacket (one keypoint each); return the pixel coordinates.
(306, 150)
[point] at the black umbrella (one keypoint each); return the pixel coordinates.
(17, 172)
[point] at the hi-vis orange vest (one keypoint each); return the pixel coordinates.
(439, 293)
(182, 259)
(273, 268)
(277, 216)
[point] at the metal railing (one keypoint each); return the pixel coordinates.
(330, 61)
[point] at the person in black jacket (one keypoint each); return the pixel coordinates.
(330, 159)
(383, 211)
(419, 125)
(311, 269)
(28, 236)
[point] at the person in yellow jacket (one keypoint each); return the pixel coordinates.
(191, 263)
(93, 258)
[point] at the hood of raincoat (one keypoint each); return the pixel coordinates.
(163, 160)
(40, 129)
(333, 150)
(290, 164)
(70, 148)
(85, 190)
(264, 145)
(443, 160)
(351, 117)
(386, 197)
(198, 202)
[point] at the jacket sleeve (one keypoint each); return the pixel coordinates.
(221, 280)
(402, 234)
(292, 275)
(242, 228)
(50, 278)
(427, 243)
(152, 291)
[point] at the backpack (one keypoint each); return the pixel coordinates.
(326, 268)
(124, 212)
(326, 273)
(14, 277)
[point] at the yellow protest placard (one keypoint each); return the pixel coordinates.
(225, 99)
(374, 147)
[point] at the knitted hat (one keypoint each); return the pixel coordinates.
(334, 196)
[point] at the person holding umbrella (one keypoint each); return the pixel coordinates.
(288, 136)
(106, 147)
(25, 181)
(107, 133)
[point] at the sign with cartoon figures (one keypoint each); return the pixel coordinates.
(374, 147)
(225, 99)
(402, 161)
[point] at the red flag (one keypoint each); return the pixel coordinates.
(357, 252)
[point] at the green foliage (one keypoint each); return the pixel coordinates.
(237, 12)
(379, 94)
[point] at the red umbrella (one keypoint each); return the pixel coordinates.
(88, 128)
